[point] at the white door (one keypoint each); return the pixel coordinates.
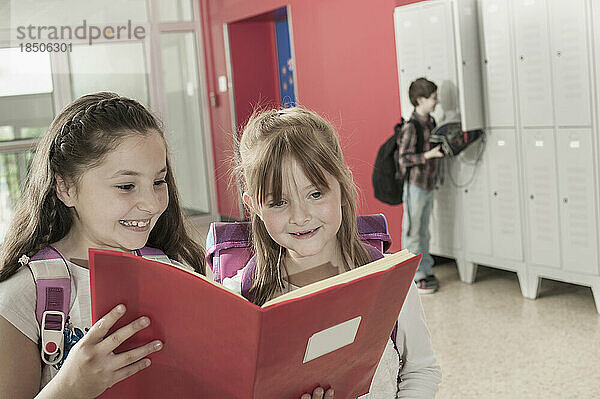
(541, 197)
(437, 31)
(569, 50)
(498, 64)
(476, 204)
(577, 200)
(446, 216)
(505, 195)
(467, 46)
(533, 63)
(409, 53)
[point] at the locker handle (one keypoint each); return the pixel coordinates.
(521, 58)
(565, 200)
(531, 196)
(558, 53)
(466, 190)
(495, 193)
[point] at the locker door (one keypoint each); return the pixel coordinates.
(445, 223)
(498, 64)
(476, 205)
(409, 53)
(541, 197)
(577, 200)
(533, 63)
(570, 62)
(437, 31)
(467, 45)
(504, 195)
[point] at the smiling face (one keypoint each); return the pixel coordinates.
(117, 203)
(306, 219)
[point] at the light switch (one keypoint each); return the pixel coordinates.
(222, 84)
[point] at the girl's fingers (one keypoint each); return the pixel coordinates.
(99, 330)
(305, 396)
(329, 394)
(130, 370)
(317, 393)
(126, 358)
(115, 339)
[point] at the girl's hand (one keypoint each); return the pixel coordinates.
(319, 393)
(92, 367)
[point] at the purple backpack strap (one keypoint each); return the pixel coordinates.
(53, 296)
(149, 252)
(232, 241)
(248, 278)
(374, 230)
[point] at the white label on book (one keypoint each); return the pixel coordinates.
(332, 338)
(574, 144)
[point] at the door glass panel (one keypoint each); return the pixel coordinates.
(185, 132)
(74, 12)
(117, 67)
(174, 10)
(13, 170)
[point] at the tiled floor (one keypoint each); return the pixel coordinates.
(493, 343)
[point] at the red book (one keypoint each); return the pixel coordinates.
(219, 345)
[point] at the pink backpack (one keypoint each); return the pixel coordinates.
(53, 297)
(228, 245)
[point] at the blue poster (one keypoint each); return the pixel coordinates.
(286, 64)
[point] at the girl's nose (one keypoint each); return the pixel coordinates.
(149, 201)
(300, 214)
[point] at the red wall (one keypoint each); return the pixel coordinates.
(346, 70)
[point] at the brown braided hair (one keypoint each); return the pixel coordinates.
(78, 139)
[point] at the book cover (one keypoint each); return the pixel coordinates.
(219, 345)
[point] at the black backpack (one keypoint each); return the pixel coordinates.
(388, 179)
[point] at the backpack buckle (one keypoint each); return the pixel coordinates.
(52, 328)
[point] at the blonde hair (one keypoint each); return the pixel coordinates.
(270, 138)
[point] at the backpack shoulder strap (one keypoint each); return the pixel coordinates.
(248, 278)
(374, 230)
(223, 236)
(53, 295)
(420, 138)
(152, 254)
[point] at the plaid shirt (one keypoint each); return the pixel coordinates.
(423, 173)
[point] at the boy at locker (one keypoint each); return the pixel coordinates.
(419, 164)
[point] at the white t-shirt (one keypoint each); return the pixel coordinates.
(420, 374)
(18, 302)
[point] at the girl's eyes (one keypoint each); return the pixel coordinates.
(129, 187)
(316, 195)
(277, 204)
(126, 187)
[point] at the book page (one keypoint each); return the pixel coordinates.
(205, 278)
(384, 263)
